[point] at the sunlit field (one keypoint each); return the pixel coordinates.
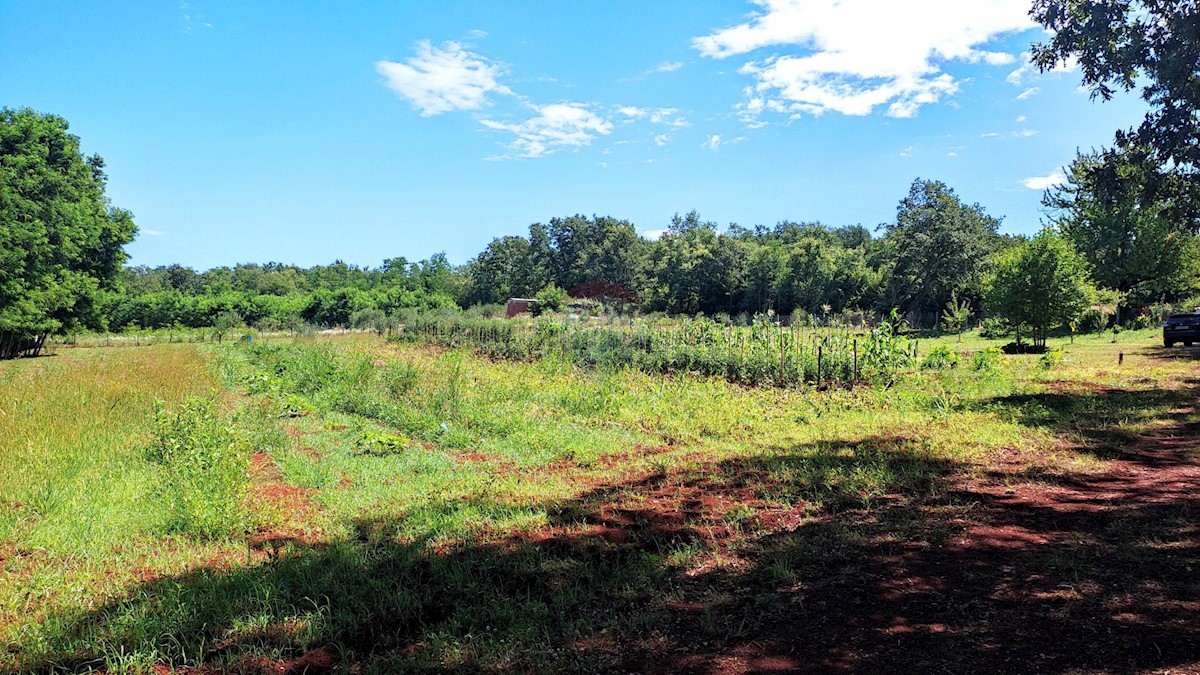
(357, 503)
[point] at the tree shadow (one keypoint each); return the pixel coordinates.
(868, 555)
(1098, 419)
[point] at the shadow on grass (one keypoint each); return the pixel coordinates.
(863, 556)
(1100, 418)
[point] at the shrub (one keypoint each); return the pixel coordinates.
(940, 358)
(1051, 359)
(994, 328)
(549, 299)
(204, 464)
(987, 360)
(1023, 348)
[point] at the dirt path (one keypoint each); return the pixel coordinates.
(1096, 573)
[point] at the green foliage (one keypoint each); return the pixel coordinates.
(1051, 359)
(379, 443)
(1152, 44)
(1133, 239)
(938, 247)
(940, 357)
(987, 360)
(549, 299)
(60, 240)
(204, 464)
(1041, 283)
(764, 352)
(994, 328)
(957, 314)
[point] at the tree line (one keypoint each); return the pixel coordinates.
(1122, 226)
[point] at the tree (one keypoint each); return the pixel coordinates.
(60, 239)
(504, 270)
(938, 246)
(1132, 239)
(1123, 44)
(1039, 284)
(957, 314)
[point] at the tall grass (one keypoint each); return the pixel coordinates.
(763, 353)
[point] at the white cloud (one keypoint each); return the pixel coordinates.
(149, 233)
(907, 152)
(662, 139)
(1021, 119)
(667, 116)
(654, 235)
(1027, 69)
(476, 34)
(1028, 93)
(713, 142)
(556, 126)
(990, 134)
(852, 56)
(952, 154)
(1044, 182)
(1024, 133)
(668, 67)
(441, 79)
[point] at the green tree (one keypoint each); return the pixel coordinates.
(937, 247)
(504, 270)
(1124, 44)
(1039, 284)
(957, 314)
(60, 239)
(1131, 238)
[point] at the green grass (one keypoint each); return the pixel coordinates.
(419, 507)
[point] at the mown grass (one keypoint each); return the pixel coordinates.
(434, 509)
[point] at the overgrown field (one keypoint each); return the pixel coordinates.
(354, 503)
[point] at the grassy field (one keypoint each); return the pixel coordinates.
(348, 503)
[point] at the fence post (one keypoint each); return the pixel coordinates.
(820, 358)
(855, 360)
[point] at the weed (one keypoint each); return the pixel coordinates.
(204, 462)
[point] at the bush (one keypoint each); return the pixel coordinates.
(1051, 359)
(994, 328)
(987, 360)
(1092, 321)
(940, 358)
(549, 299)
(1023, 348)
(204, 464)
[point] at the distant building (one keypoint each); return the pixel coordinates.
(519, 306)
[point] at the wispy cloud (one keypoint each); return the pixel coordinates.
(1045, 182)
(1028, 93)
(149, 232)
(654, 235)
(857, 55)
(668, 67)
(554, 127)
(1027, 70)
(441, 79)
(192, 17)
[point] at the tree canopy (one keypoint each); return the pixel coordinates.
(938, 246)
(1135, 244)
(60, 239)
(1124, 44)
(1040, 284)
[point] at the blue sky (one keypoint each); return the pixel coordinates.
(308, 132)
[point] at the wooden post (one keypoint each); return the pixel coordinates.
(855, 360)
(820, 358)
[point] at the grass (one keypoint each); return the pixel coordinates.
(412, 507)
